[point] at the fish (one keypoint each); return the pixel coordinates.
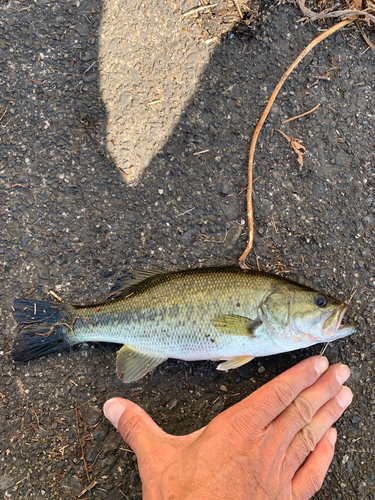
(223, 314)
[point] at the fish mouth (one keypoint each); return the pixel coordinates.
(332, 324)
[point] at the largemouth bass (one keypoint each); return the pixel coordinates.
(224, 313)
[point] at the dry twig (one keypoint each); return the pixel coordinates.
(303, 114)
(88, 488)
(199, 9)
(313, 16)
(54, 294)
(238, 8)
(222, 241)
(82, 451)
(365, 37)
(257, 130)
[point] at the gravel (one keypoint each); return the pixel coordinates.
(124, 139)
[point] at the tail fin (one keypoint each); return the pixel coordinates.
(42, 329)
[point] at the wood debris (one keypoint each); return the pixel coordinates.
(296, 145)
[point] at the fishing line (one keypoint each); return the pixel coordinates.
(324, 349)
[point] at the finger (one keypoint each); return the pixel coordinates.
(302, 410)
(307, 439)
(309, 478)
(264, 405)
(135, 426)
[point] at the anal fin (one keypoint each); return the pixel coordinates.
(132, 365)
(234, 363)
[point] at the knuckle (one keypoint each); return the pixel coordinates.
(284, 393)
(331, 387)
(308, 440)
(304, 410)
(332, 413)
(129, 429)
(241, 425)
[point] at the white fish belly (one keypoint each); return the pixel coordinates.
(193, 344)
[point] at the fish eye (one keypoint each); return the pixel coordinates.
(321, 301)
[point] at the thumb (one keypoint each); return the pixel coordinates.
(135, 426)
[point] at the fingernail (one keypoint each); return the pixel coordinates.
(332, 436)
(321, 365)
(113, 409)
(342, 374)
(344, 397)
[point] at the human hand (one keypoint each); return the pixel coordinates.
(276, 444)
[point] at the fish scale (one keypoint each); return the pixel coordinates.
(210, 313)
(173, 319)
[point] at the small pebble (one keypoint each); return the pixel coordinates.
(217, 406)
(172, 404)
(261, 369)
(223, 388)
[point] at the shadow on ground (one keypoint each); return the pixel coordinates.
(69, 225)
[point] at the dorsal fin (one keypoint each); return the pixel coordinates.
(131, 280)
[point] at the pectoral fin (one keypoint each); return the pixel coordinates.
(234, 363)
(232, 324)
(132, 365)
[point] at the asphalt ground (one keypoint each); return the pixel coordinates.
(124, 139)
